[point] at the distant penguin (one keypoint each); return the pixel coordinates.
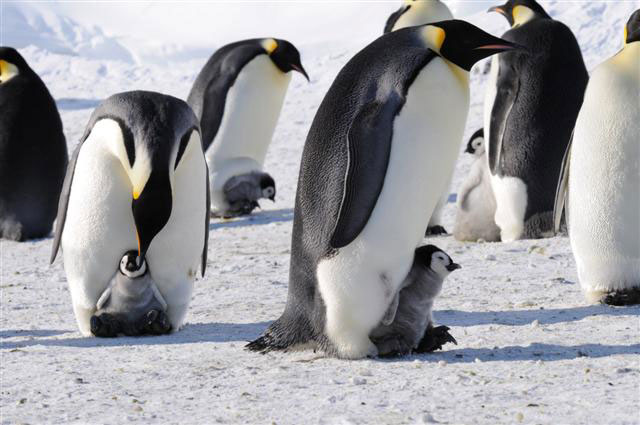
(600, 183)
(417, 12)
(532, 101)
(476, 203)
(368, 178)
(33, 151)
(409, 319)
(237, 97)
(137, 180)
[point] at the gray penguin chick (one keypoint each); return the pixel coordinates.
(408, 323)
(243, 192)
(132, 303)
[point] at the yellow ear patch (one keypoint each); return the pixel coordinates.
(270, 45)
(522, 15)
(7, 71)
(434, 37)
(136, 194)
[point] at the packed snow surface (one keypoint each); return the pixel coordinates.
(529, 350)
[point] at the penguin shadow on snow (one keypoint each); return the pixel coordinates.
(76, 104)
(191, 333)
(255, 219)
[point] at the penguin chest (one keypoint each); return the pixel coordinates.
(423, 13)
(251, 112)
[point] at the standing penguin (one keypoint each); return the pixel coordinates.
(601, 177)
(366, 165)
(33, 151)
(476, 203)
(137, 180)
(237, 97)
(531, 105)
(420, 12)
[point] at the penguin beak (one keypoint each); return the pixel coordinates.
(453, 266)
(301, 70)
(498, 9)
(469, 150)
(272, 198)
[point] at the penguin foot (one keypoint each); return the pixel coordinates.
(434, 339)
(435, 231)
(105, 326)
(392, 346)
(623, 297)
(155, 322)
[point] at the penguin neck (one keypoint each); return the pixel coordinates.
(461, 74)
(523, 15)
(629, 57)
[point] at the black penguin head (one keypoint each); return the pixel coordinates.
(519, 12)
(462, 43)
(11, 64)
(432, 257)
(475, 145)
(155, 132)
(284, 55)
(632, 29)
(132, 266)
(268, 187)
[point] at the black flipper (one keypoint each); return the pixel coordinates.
(369, 141)
(560, 204)
(506, 96)
(394, 18)
(207, 218)
(63, 203)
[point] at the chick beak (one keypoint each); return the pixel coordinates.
(453, 266)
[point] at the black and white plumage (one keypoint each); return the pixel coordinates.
(137, 180)
(243, 192)
(33, 151)
(417, 12)
(237, 98)
(363, 186)
(532, 100)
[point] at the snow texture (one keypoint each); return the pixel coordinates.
(530, 348)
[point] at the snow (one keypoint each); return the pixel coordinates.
(530, 350)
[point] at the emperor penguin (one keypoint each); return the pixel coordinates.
(599, 186)
(476, 203)
(532, 101)
(33, 151)
(361, 197)
(420, 12)
(137, 181)
(237, 98)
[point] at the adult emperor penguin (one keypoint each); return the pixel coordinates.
(531, 105)
(237, 97)
(420, 12)
(362, 198)
(476, 203)
(33, 151)
(137, 180)
(601, 177)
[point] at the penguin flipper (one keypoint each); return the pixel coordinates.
(207, 218)
(393, 18)
(508, 88)
(63, 203)
(560, 203)
(369, 148)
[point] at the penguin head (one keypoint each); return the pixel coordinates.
(11, 64)
(519, 12)
(284, 55)
(632, 29)
(268, 187)
(462, 43)
(436, 259)
(130, 265)
(475, 145)
(149, 134)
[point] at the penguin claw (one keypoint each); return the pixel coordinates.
(623, 297)
(104, 326)
(435, 231)
(434, 339)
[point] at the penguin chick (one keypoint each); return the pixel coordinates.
(476, 201)
(243, 192)
(408, 323)
(131, 304)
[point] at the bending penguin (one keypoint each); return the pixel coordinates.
(476, 203)
(33, 151)
(361, 198)
(137, 181)
(237, 98)
(420, 12)
(532, 101)
(601, 176)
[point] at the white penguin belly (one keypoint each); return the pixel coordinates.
(604, 182)
(359, 282)
(251, 112)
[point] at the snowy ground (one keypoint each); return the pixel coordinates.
(530, 349)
